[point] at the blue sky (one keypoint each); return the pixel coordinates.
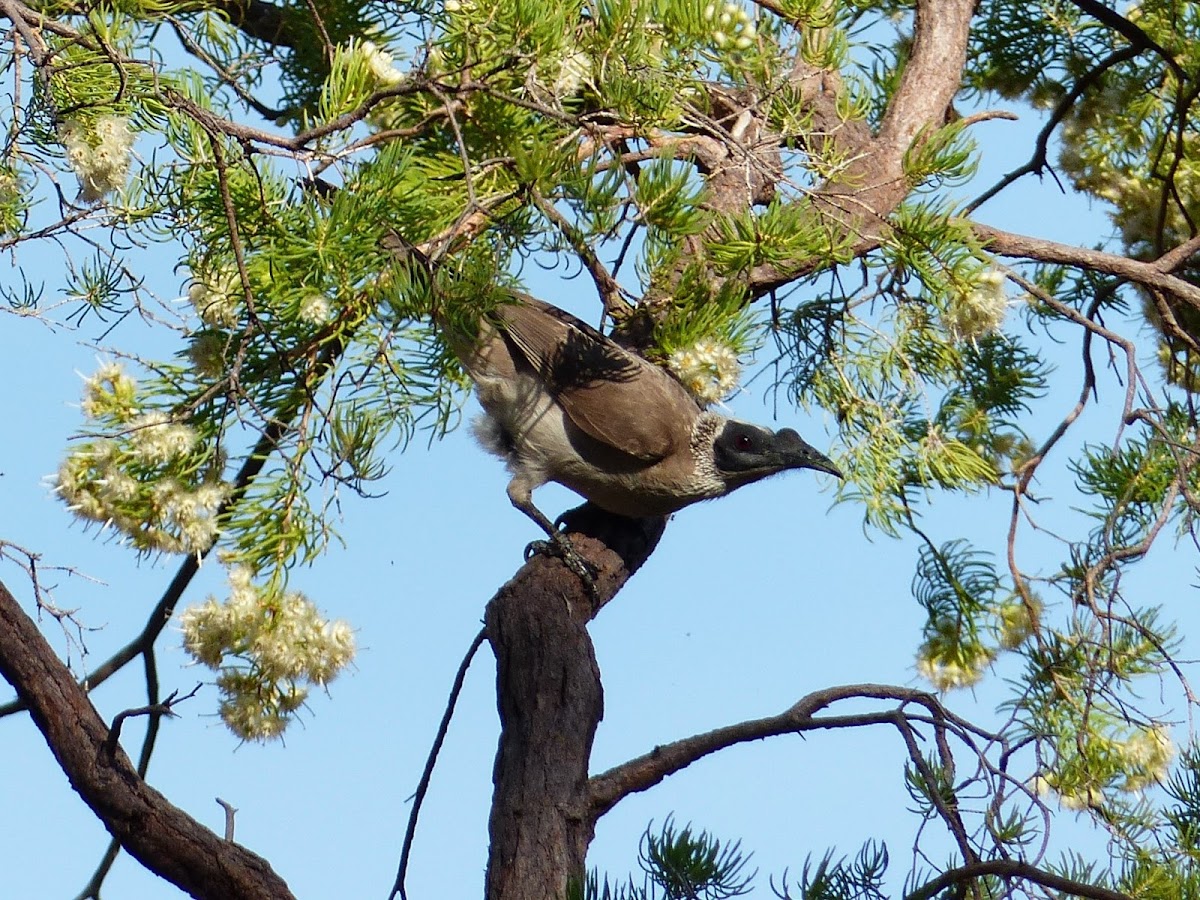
(749, 603)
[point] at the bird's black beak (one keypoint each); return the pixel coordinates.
(796, 453)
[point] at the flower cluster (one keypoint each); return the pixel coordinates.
(559, 75)
(207, 351)
(157, 513)
(100, 157)
(217, 297)
(155, 439)
(948, 668)
(314, 309)
(12, 201)
(708, 369)
(1016, 621)
(1133, 763)
(147, 481)
(380, 64)
(277, 641)
(732, 26)
(1146, 757)
(980, 311)
(1083, 797)
(110, 394)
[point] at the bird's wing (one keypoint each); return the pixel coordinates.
(612, 395)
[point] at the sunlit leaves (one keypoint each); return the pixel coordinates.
(776, 235)
(947, 157)
(917, 408)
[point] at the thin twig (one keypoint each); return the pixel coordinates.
(615, 306)
(418, 796)
(1037, 163)
(154, 710)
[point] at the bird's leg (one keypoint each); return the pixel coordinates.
(520, 492)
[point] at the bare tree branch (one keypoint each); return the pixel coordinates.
(418, 797)
(154, 710)
(1037, 163)
(1015, 870)
(1149, 274)
(550, 702)
(642, 773)
(1131, 32)
(230, 812)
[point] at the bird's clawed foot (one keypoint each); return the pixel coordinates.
(560, 545)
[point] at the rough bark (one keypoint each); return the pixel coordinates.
(550, 702)
(159, 835)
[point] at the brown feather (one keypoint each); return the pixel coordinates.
(612, 395)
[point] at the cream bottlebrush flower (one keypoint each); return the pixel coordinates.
(1148, 755)
(379, 61)
(979, 312)
(315, 309)
(1041, 785)
(216, 298)
(12, 201)
(946, 672)
(190, 516)
(208, 351)
(208, 631)
(155, 439)
(107, 481)
(264, 642)
(109, 393)
(1085, 798)
(10, 186)
(79, 481)
(573, 72)
(334, 650)
(254, 711)
(1016, 622)
(708, 369)
(101, 158)
(1078, 799)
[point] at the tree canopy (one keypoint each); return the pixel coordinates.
(335, 183)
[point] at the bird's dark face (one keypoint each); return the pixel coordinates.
(744, 453)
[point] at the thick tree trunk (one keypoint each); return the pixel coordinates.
(550, 702)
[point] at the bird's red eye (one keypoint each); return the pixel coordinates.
(743, 442)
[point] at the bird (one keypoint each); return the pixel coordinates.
(563, 402)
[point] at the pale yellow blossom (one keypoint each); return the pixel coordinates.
(100, 156)
(217, 298)
(709, 369)
(265, 644)
(379, 61)
(980, 311)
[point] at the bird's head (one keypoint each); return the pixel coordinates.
(744, 453)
